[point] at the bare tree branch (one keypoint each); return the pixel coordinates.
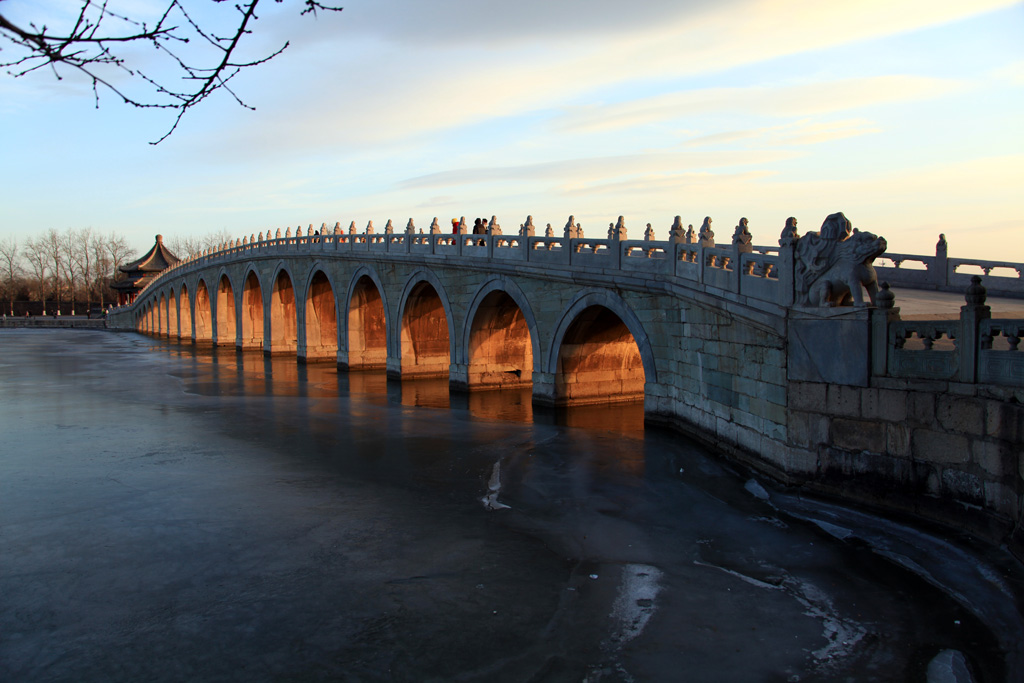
(91, 46)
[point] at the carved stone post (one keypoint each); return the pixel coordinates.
(971, 316)
(939, 273)
(886, 313)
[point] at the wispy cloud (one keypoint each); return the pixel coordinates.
(591, 169)
(806, 99)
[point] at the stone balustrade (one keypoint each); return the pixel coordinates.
(971, 349)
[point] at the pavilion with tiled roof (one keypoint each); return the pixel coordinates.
(140, 272)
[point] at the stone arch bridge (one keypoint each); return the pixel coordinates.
(711, 338)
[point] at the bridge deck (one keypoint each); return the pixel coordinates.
(917, 304)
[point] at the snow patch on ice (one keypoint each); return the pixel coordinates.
(756, 490)
(841, 635)
(490, 501)
(635, 603)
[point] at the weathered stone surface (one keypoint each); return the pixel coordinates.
(892, 405)
(859, 435)
(807, 429)
(921, 408)
(897, 439)
(810, 396)
(960, 414)
(962, 484)
(832, 350)
(1004, 420)
(843, 400)
(994, 458)
(939, 447)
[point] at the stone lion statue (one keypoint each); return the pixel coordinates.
(834, 266)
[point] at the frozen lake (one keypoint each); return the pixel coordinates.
(170, 513)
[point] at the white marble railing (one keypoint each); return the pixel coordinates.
(758, 274)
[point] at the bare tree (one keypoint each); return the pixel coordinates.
(38, 259)
(118, 250)
(190, 246)
(69, 264)
(81, 240)
(98, 38)
(101, 268)
(10, 262)
(53, 244)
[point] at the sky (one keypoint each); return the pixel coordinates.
(904, 114)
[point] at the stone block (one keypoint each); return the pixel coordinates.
(1002, 498)
(831, 350)
(808, 430)
(897, 440)
(869, 404)
(774, 412)
(858, 435)
(1004, 420)
(892, 405)
(961, 414)
(963, 485)
(807, 396)
(939, 447)
(921, 408)
(843, 401)
(963, 389)
(802, 461)
(773, 374)
(775, 431)
(993, 458)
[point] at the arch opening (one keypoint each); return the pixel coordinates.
(161, 313)
(203, 316)
(598, 361)
(426, 346)
(321, 320)
(252, 313)
(172, 316)
(367, 327)
(185, 313)
(500, 349)
(226, 322)
(283, 321)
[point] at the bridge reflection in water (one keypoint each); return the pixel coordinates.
(243, 373)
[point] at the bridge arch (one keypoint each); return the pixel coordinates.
(203, 314)
(367, 321)
(172, 314)
(185, 312)
(161, 313)
(500, 344)
(321, 315)
(253, 306)
(224, 311)
(599, 350)
(426, 334)
(284, 331)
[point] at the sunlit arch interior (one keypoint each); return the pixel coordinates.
(500, 348)
(283, 321)
(161, 313)
(185, 313)
(252, 313)
(226, 329)
(172, 316)
(367, 327)
(203, 317)
(598, 361)
(426, 350)
(321, 320)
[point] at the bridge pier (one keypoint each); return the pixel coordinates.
(544, 389)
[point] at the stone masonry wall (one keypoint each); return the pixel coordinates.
(941, 450)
